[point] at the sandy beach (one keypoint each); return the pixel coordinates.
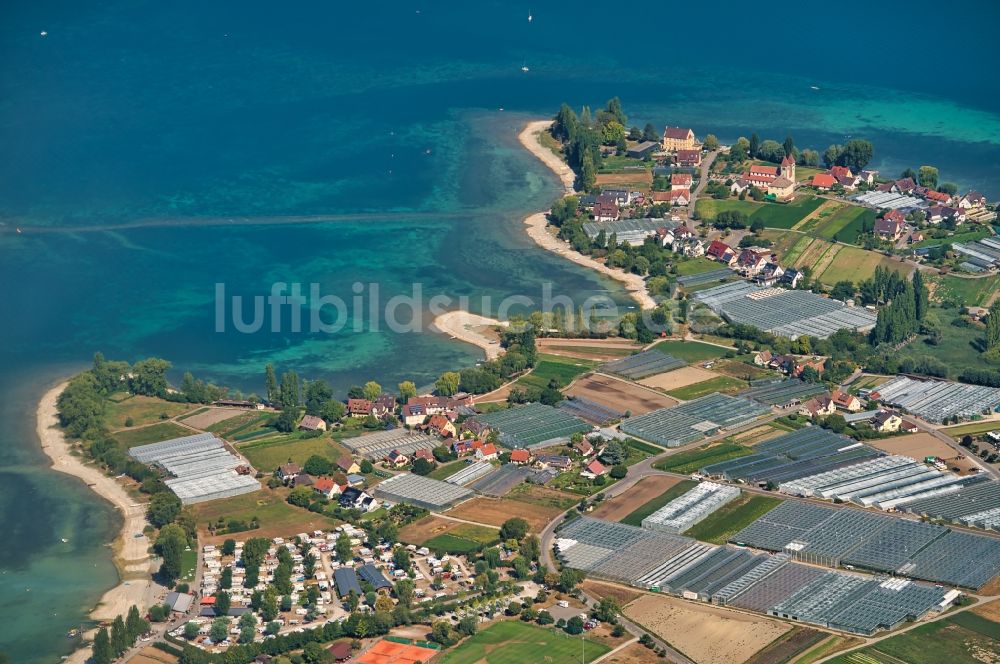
(131, 556)
(537, 224)
(473, 329)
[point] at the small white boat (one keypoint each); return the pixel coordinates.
(814, 87)
(525, 69)
(64, 540)
(530, 17)
(44, 33)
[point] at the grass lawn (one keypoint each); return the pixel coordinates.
(941, 641)
(709, 208)
(142, 410)
(965, 236)
(562, 369)
(689, 351)
(619, 163)
(967, 292)
(786, 215)
(698, 265)
(977, 623)
(534, 495)
(636, 517)
(267, 455)
(189, 565)
(151, 434)
(242, 423)
(514, 642)
(444, 470)
(643, 447)
(724, 384)
(463, 539)
(692, 460)
(267, 505)
(731, 518)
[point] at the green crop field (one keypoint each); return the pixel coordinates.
(797, 249)
(972, 429)
(514, 642)
(856, 264)
(635, 518)
(689, 351)
(151, 434)
(845, 224)
(270, 508)
(724, 384)
(452, 544)
(692, 460)
(786, 215)
(965, 236)
(444, 470)
(555, 367)
(941, 641)
(709, 208)
(731, 518)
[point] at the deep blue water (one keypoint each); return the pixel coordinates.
(170, 112)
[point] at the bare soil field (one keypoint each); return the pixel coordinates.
(634, 654)
(920, 445)
(619, 507)
(424, 529)
(797, 641)
(757, 435)
(706, 634)
(151, 655)
(643, 178)
(212, 416)
(989, 610)
(495, 512)
(992, 587)
(620, 395)
(682, 377)
(601, 590)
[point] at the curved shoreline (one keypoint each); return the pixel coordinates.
(465, 326)
(131, 556)
(537, 225)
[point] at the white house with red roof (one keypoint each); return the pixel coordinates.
(751, 262)
(326, 487)
(761, 176)
(891, 226)
(680, 181)
(823, 181)
(721, 252)
(594, 469)
(487, 452)
(680, 197)
(520, 456)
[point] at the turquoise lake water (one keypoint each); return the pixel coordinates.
(389, 120)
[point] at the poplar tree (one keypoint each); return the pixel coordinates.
(272, 384)
(993, 326)
(102, 647)
(119, 637)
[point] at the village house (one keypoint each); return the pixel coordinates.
(790, 278)
(688, 158)
(845, 401)
(553, 460)
(302, 479)
(396, 458)
(584, 448)
(678, 138)
(868, 177)
(359, 407)
(770, 275)
(848, 183)
(606, 209)
(823, 181)
(751, 262)
(621, 197)
(288, 471)
(354, 498)
(782, 189)
(520, 456)
(935, 214)
(487, 452)
(887, 421)
(680, 181)
(722, 252)
(326, 487)
(665, 236)
(462, 447)
(424, 454)
(763, 358)
(938, 197)
(441, 425)
(680, 197)
(841, 172)
(973, 199)
(414, 414)
(739, 186)
(820, 406)
(906, 426)
(891, 226)
(348, 465)
(384, 405)
(904, 186)
(594, 469)
(312, 423)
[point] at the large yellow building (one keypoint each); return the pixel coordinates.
(678, 138)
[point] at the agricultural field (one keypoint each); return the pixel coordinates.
(732, 517)
(786, 215)
(266, 455)
(856, 264)
(153, 433)
(966, 292)
(758, 434)
(709, 208)
(444, 470)
(622, 594)
(619, 395)
(514, 642)
(635, 517)
(741, 370)
(452, 536)
(275, 515)
(142, 410)
(956, 640)
(972, 428)
(588, 349)
(964, 236)
(691, 460)
(690, 351)
(796, 641)
(704, 633)
(868, 381)
(846, 224)
(641, 493)
(672, 380)
(957, 348)
(554, 367)
(241, 423)
(723, 384)
(206, 418)
(825, 648)
(495, 512)
(532, 494)
(920, 445)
